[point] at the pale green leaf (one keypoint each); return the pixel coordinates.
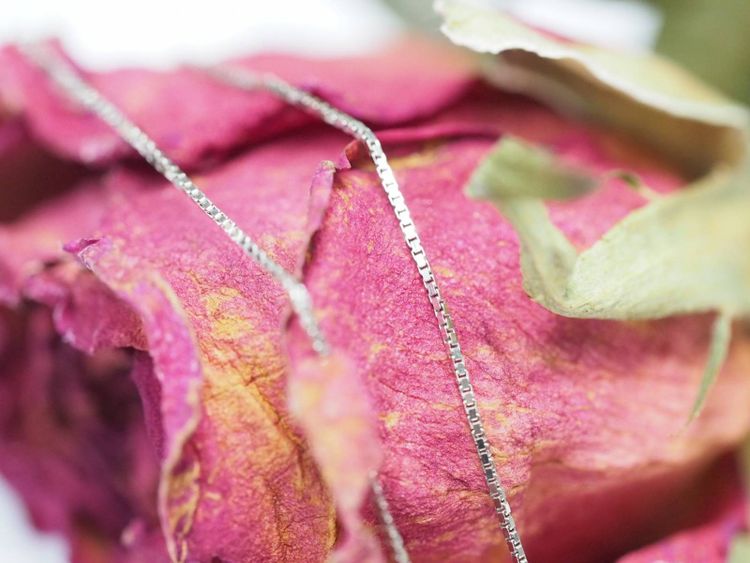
(686, 252)
(721, 335)
(640, 94)
(739, 550)
(517, 169)
(682, 253)
(710, 38)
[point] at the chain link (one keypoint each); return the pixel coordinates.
(78, 89)
(344, 122)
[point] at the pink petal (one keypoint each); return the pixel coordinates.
(187, 123)
(72, 440)
(331, 404)
(707, 538)
(586, 417)
(229, 450)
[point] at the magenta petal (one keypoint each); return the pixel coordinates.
(592, 411)
(334, 410)
(212, 322)
(707, 539)
(187, 123)
(72, 440)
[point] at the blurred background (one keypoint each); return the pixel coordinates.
(697, 33)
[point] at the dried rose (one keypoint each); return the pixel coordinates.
(586, 416)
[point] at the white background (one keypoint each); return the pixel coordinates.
(153, 33)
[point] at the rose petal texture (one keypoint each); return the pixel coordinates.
(589, 433)
(714, 530)
(328, 399)
(586, 417)
(73, 442)
(188, 125)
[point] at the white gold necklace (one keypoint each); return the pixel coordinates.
(65, 77)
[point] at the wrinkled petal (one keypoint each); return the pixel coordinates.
(708, 537)
(131, 304)
(333, 407)
(72, 440)
(35, 185)
(212, 319)
(592, 410)
(186, 122)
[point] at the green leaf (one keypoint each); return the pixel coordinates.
(739, 551)
(517, 169)
(683, 253)
(686, 252)
(709, 38)
(641, 94)
(717, 354)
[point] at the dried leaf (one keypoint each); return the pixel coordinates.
(689, 242)
(682, 253)
(639, 94)
(740, 549)
(709, 39)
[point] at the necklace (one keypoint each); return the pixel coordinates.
(301, 303)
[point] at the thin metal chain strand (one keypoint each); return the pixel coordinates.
(92, 100)
(65, 77)
(394, 537)
(360, 131)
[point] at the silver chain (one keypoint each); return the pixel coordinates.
(78, 89)
(344, 122)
